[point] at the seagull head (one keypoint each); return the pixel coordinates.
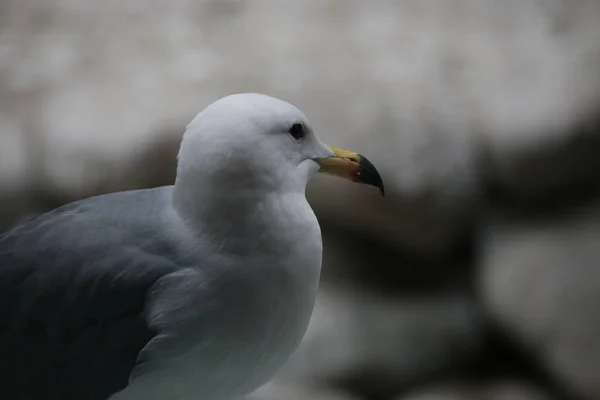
(253, 141)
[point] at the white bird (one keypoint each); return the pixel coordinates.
(196, 291)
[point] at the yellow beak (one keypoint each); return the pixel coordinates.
(352, 166)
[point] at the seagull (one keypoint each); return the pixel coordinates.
(196, 291)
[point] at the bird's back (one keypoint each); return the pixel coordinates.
(73, 284)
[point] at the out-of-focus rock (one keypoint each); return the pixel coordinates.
(557, 172)
(376, 346)
(357, 261)
(426, 89)
(16, 180)
(542, 132)
(540, 281)
(493, 391)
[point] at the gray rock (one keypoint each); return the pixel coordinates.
(378, 346)
(540, 280)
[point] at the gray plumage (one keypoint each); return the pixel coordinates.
(73, 286)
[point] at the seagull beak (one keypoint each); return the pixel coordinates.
(352, 166)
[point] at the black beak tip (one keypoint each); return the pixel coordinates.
(369, 175)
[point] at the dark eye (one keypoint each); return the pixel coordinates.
(297, 131)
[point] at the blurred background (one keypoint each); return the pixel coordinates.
(476, 278)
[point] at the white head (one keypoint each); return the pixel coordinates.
(251, 142)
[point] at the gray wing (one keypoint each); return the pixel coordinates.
(73, 287)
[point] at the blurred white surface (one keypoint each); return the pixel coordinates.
(541, 281)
